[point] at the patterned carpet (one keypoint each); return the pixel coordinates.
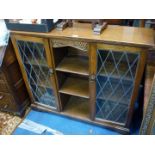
(9, 122)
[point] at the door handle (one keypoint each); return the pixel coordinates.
(92, 77)
(51, 71)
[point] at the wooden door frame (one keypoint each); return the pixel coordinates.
(92, 78)
(138, 77)
(43, 41)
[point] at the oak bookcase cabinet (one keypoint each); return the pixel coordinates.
(84, 76)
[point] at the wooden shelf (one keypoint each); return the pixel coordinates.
(75, 87)
(115, 98)
(74, 65)
(112, 112)
(118, 92)
(77, 107)
(122, 71)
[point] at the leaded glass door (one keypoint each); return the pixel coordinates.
(115, 79)
(36, 60)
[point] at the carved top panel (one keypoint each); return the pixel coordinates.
(56, 43)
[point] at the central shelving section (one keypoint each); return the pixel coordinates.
(72, 74)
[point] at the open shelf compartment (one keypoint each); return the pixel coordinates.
(71, 60)
(72, 72)
(75, 106)
(73, 85)
(75, 65)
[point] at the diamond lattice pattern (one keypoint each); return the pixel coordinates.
(115, 80)
(35, 63)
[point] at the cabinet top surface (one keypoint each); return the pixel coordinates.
(112, 34)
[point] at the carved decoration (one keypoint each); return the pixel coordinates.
(149, 112)
(76, 44)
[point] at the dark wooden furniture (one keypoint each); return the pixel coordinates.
(148, 123)
(13, 94)
(87, 77)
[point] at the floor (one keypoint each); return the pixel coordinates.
(52, 124)
(43, 123)
(8, 123)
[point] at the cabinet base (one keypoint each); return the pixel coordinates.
(22, 110)
(117, 128)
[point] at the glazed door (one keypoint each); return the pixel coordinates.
(36, 64)
(117, 82)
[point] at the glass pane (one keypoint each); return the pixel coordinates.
(115, 81)
(34, 59)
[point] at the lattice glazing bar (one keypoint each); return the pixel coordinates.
(34, 60)
(115, 82)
